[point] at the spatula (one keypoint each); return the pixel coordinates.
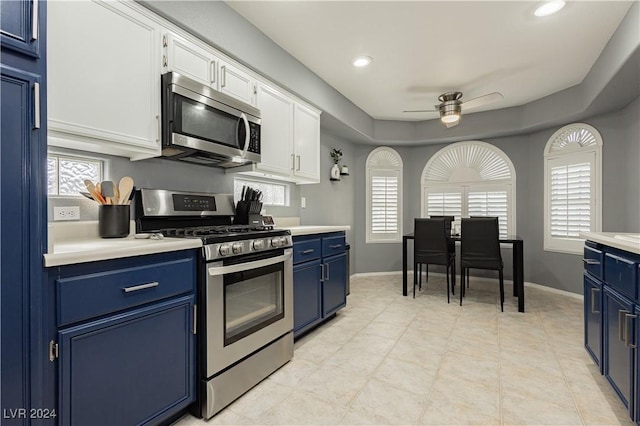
(125, 186)
(107, 191)
(94, 193)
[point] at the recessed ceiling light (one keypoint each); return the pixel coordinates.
(549, 8)
(361, 61)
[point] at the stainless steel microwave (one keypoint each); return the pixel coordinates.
(203, 126)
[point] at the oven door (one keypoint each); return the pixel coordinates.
(249, 304)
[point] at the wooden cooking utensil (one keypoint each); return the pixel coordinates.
(125, 187)
(93, 191)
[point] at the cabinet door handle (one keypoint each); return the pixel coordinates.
(591, 261)
(308, 251)
(322, 272)
(34, 21)
(223, 77)
(195, 318)
(622, 326)
(140, 287)
(293, 162)
(628, 328)
(36, 105)
(335, 246)
(298, 168)
(327, 278)
(213, 72)
(593, 300)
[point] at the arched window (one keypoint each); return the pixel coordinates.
(572, 188)
(384, 196)
(470, 179)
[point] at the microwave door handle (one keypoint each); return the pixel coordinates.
(243, 116)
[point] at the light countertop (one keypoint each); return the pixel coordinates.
(311, 229)
(620, 240)
(78, 243)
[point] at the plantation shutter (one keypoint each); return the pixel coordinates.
(385, 204)
(570, 199)
(490, 203)
(445, 203)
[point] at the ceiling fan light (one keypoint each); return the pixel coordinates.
(549, 8)
(449, 117)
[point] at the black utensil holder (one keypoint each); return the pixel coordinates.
(113, 221)
(245, 209)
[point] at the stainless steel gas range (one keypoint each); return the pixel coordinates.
(245, 291)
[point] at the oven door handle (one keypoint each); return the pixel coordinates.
(221, 270)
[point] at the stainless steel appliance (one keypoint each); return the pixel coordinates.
(245, 290)
(203, 126)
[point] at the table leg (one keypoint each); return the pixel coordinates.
(518, 250)
(404, 266)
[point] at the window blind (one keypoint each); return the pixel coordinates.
(384, 204)
(490, 203)
(445, 204)
(570, 200)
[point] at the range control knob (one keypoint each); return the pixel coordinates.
(225, 250)
(237, 248)
(258, 244)
(275, 242)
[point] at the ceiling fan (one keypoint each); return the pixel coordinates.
(451, 106)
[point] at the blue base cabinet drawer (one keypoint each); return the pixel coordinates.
(304, 251)
(593, 261)
(333, 245)
(128, 369)
(620, 273)
(91, 295)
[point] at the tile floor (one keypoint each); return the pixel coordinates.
(392, 360)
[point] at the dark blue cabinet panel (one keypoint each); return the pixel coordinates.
(130, 368)
(306, 250)
(20, 26)
(307, 295)
(334, 284)
(22, 208)
(593, 319)
(618, 355)
(620, 273)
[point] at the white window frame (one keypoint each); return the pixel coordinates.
(452, 181)
(383, 161)
(60, 155)
(562, 149)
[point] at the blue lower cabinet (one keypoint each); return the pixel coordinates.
(334, 284)
(307, 295)
(618, 338)
(128, 369)
(319, 279)
(593, 318)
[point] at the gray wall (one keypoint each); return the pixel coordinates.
(620, 188)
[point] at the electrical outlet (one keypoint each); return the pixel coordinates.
(66, 213)
(303, 202)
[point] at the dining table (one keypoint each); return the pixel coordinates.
(517, 244)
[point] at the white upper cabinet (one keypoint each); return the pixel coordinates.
(104, 78)
(237, 83)
(188, 59)
(290, 139)
(276, 141)
(208, 67)
(306, 137)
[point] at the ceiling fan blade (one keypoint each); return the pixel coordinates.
(482, 100)
(421, 110)
(455, 123)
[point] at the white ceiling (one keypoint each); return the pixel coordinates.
(422, 49)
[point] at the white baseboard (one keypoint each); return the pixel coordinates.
(510, 282)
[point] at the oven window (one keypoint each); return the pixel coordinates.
(204, 122)
(253, 300)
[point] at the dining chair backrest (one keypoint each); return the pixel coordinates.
(480, 243)
(431, 245)
(448, 220)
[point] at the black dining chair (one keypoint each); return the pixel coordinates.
(432, 248)
(480, 249)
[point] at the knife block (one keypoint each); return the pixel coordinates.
(246, 213)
